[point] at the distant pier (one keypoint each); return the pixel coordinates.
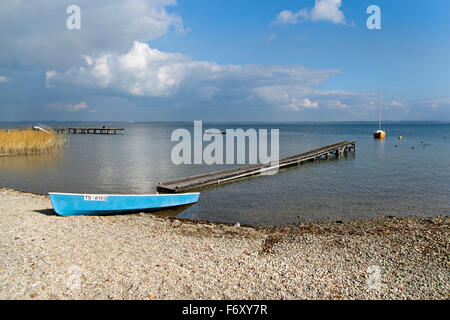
(102, 130)
(218, 177)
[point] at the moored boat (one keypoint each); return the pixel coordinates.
(72, 204)
(379, 134)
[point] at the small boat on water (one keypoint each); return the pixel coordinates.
(379, 134)
(40, 129)
(74, 204)
(215, 132)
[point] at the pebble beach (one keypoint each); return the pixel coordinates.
(143, 256)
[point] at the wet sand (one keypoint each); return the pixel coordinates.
(44, 256)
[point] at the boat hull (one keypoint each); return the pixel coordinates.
(72, 204)
(379, 135)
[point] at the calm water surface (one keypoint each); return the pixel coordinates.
(399, 177)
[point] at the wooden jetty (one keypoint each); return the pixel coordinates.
(102, 130)
(218, 177)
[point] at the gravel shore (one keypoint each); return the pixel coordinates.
(44, 256)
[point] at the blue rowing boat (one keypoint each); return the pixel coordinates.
(73, 204)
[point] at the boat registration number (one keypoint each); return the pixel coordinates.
(95, 197)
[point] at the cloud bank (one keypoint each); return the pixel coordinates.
(147, 72)
(47, 69)
(35, 32)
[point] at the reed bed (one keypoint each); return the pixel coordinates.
(28, 142)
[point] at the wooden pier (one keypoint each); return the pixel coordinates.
(218, 177)
(102, 130)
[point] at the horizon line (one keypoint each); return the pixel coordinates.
(226, 122)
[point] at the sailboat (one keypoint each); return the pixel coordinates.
(379, 134)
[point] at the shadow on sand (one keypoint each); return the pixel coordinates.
(170, 212)
(47, 212)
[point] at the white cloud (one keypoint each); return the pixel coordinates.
(3, 79)
(69, 107)
(35, 31)
(80, 106)
(144, 71)
(436, 103)
(328, 10)
(325, 10)
(395, 103)
(298, 105)
(336, 104)
(289, 17)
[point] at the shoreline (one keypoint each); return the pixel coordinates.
(142, 256)
(292, 225)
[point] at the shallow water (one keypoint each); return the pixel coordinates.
(390, 177)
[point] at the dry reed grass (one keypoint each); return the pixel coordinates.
(28, 142)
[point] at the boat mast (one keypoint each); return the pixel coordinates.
(379, 111)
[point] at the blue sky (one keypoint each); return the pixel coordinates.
(231, 60)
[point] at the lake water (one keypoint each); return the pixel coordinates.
(391, 177)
